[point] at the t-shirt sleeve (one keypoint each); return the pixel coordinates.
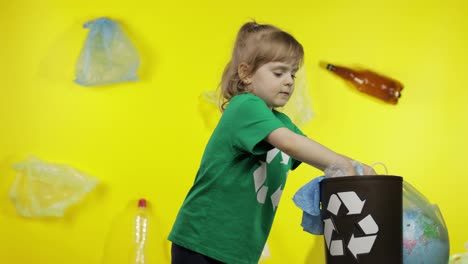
(253, 123)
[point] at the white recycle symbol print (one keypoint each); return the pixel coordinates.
(260, 176)
(356, 245)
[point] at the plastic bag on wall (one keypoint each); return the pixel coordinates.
(299, 107)
(44, 189)
(460, 258)
(108, 55)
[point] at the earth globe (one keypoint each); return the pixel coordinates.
(425, 236)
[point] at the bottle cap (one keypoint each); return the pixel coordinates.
(142, 203)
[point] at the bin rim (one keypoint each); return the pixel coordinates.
(365, 177)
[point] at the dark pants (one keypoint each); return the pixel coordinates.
(181, 255)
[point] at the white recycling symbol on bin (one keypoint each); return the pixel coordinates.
(356, 245)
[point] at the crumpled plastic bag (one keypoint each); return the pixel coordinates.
(460, 258)
(44, 189)
(208, 106)
(265, 253)
(335, 170)
(412, 198)
(299, 108)
(424, 225)
(108, 55)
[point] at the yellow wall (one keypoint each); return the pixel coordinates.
(146, 138)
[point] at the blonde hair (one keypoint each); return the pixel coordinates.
(256, 45)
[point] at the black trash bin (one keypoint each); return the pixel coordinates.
(362, 218)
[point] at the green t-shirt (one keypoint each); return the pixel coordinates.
(228, 213)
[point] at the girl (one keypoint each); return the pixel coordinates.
(228, 213)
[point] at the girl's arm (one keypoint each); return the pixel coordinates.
(310, 151)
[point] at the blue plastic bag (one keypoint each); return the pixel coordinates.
(108, 55)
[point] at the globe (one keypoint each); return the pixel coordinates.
(425, 236)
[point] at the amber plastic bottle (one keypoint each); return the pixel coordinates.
(379, 86)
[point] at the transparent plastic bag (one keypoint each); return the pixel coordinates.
(460, 258)
(335, 170)
(44, 189)
(425, 235)
(108, 55)
(298, 109)
(413, 199)
(208, 106)
(265, 253)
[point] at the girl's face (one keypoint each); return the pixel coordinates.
(274, 83)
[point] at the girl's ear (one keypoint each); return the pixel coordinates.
(244, 72)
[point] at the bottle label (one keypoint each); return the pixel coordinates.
(358, 80)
